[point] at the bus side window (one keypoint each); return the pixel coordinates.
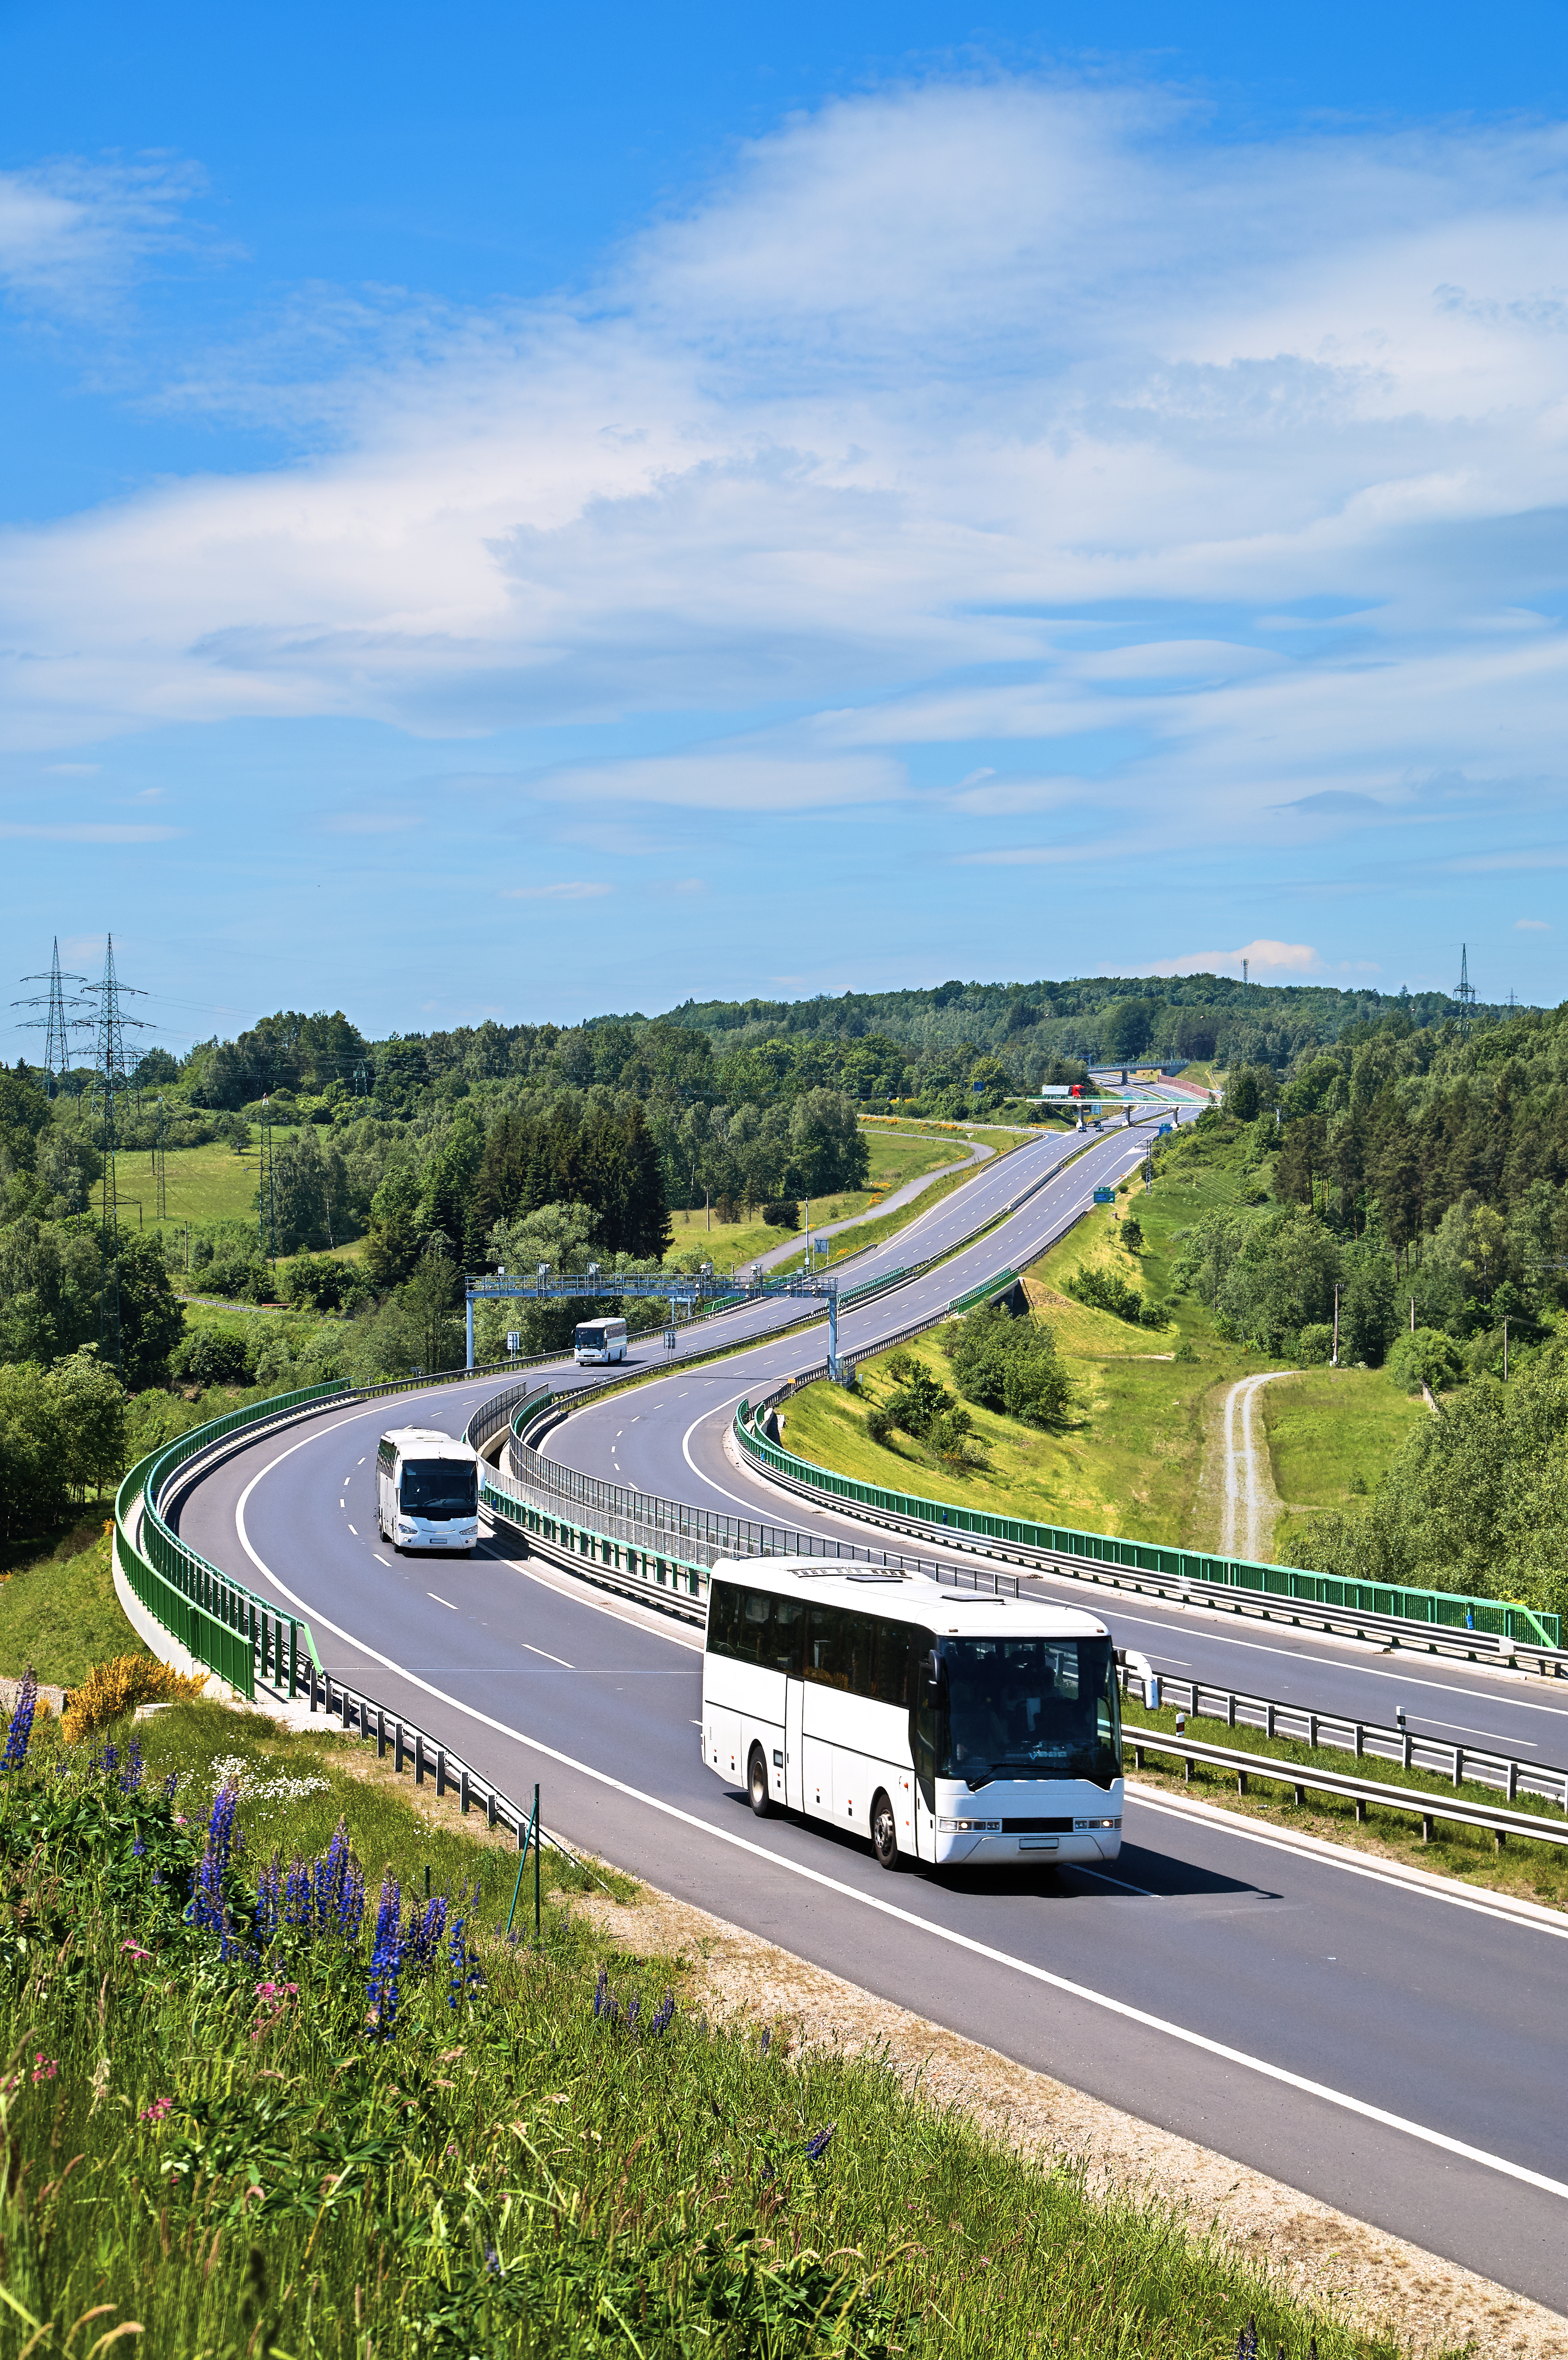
(725, 1620)
(789, 1635)
(826, 1655)
(756, 1627)
(893, 1658)
(859, 1655)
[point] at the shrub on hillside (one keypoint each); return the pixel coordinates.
(123, 1682)
(1103, 1290)
(1425, 1357)
(209, 1357)
(783, 1213)
(1010, 1365)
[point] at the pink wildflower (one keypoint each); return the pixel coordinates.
(45, 2067)
(136, 1949)
(160, 2110)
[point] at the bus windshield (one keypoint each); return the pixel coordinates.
(592, 1336)
(440, 1489)
(1030, 1709)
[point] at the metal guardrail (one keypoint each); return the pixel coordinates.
(1441, 1622)
(1305, 1778)
(220, 1622)
(1477, 1765)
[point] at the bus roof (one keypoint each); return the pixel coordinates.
(427, 1442)
(911, 1597)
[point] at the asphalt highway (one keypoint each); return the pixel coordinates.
(1389, 2049)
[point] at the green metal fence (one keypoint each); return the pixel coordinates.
(217, 1620)
(1447, 1610)
(1000, 1285)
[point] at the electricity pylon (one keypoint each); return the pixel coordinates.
(61, 1017)
(1464, 992)
(112, 1080)
(267, 1216)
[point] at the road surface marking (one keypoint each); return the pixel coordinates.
(1128, 2013)
(379, 1559)
(355, 1530)
(440, 1600)
(547, 1657)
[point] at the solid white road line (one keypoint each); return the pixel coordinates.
(1182, 2032)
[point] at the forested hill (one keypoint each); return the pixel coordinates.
(1091, 1019)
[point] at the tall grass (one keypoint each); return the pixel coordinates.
(258, 2097)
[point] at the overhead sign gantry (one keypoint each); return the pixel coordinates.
(683, 1286)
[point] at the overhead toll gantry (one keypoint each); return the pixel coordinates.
(687, 1287)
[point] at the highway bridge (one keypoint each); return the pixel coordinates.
(1388, 2043)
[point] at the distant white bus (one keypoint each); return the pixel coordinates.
(600, 1339)
(427, 1489)
(943, 1726)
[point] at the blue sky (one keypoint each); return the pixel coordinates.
(514, 517)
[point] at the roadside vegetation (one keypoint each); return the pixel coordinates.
(280, 2083)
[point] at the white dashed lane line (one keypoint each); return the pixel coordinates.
(440, 1600)
(547, 1657)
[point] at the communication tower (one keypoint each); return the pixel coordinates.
(60, 1017)
(112, 1081)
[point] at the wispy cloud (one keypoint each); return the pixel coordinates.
(1531, 926)
(576, 890)
(85, 831)
(75, 233)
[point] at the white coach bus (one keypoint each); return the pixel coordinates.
(427, 1489)
(944, 1726)
(599, 1339)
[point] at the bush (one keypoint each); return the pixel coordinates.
(880, 1424)
(209, 1357)
(317, 1283)
(1103, 1290)
(1427, 1357)
(122, 1683)
(1011, 1365)
(1316, 1346)
(239, 1277)
(783, 1213)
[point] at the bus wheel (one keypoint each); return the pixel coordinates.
(756, 1784)
(884, 1831)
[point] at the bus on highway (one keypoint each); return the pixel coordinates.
(599, 1339)
(944, 1727)
(427, 1489)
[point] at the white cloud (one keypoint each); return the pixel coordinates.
(578, 889)
(737, 778)
(1263, 957)
(74, 234)
(85, 831)
(931, 386)
(1531, 926)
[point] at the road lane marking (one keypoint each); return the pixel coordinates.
(440, 1600)
(379, 1559)
(355, 1530)
(547, 1657)
(1124, 2009)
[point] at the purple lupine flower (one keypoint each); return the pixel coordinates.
(633, 2012)
(296, 1894)
(221, 1825)
(661, 2022)
(269, 1900)
(171, 1786)
(16, 1743)
(492, 2262)
(427, 1929)
(137, 1848)
(351, 1906)
(107, 1761)
(818, 2147)
(386, 1960)
(602, 2002)
(457, 1955)
(133, 1768)
(766, 2042)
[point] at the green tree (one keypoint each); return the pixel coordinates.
(90, 1402)
(151, 1320)
(1012, 1365)
(1425, 1356)
(392, 1248)
(1125, 1029)
(32, 1452)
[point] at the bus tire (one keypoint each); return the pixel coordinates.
(756, 1792)
(884, 1830)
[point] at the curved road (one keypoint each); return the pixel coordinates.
(1382, 2044)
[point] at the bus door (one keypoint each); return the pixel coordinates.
(794, 1745)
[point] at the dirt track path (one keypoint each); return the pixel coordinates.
(1250, 1501)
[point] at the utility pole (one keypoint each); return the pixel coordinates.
(1334, 1363)
(161, 1161)
(266, 1224)
(113, 1080)
(1413, 1315)
(1505, 1349)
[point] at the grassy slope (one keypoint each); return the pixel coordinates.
(1134, 1462)
(521, 2157)
(60, 1615)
